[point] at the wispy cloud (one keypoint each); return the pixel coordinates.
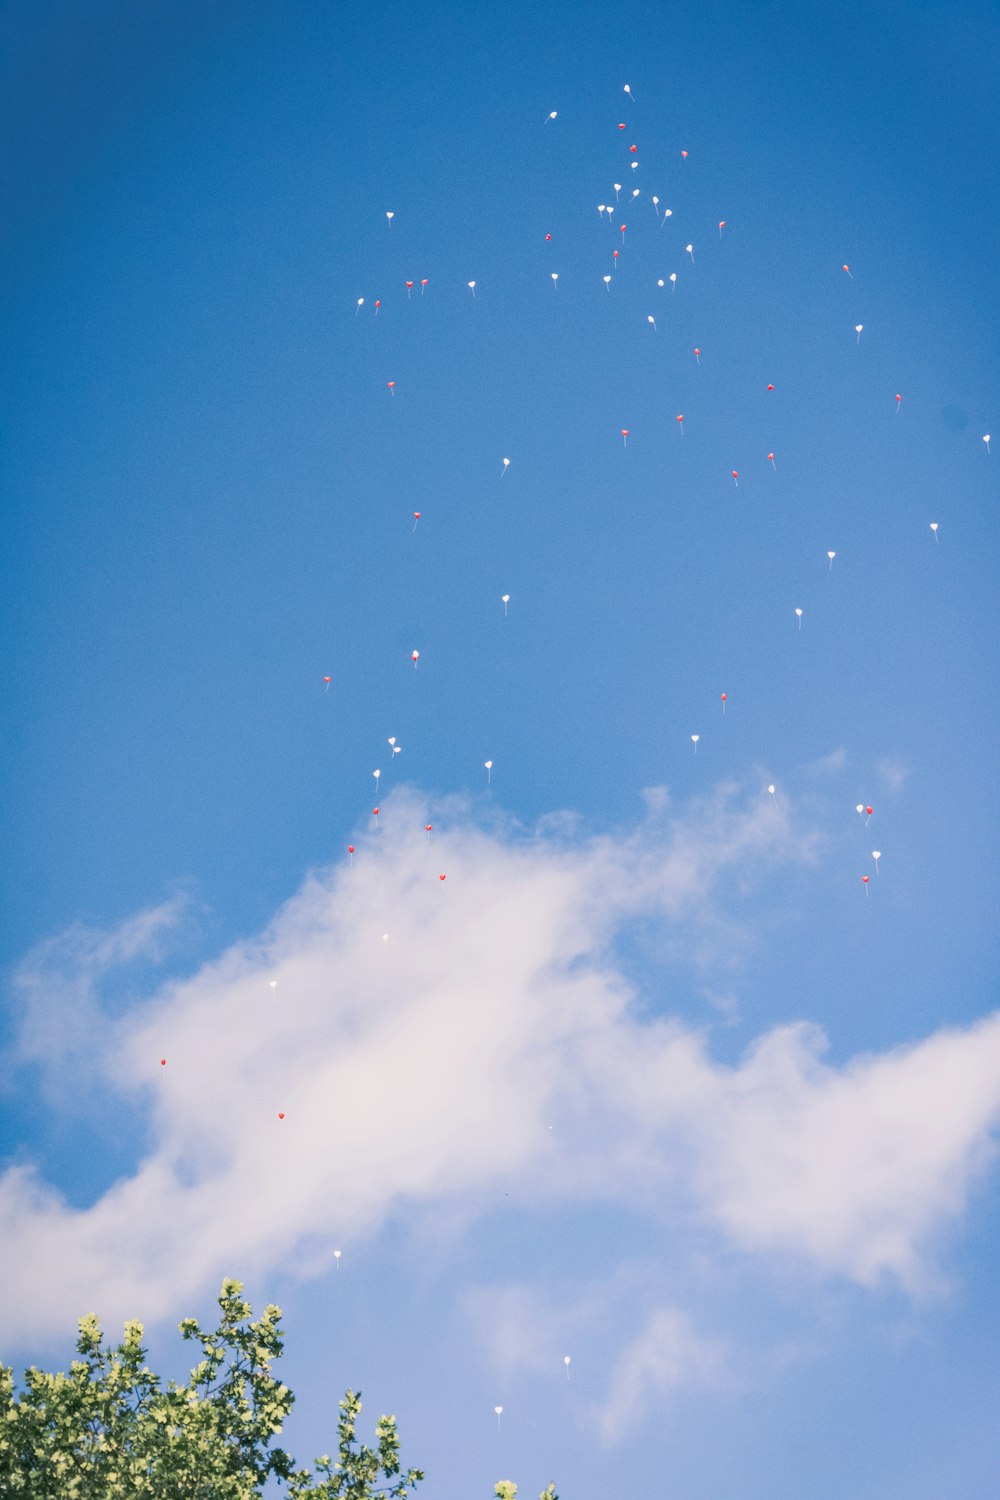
(423, 1069)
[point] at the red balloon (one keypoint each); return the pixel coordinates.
(375, 812)
(281, 1115)
(684, 153)
(680, 416)
(736, 473)
(326, 679)
(621, 127)
(865, 879)
(868, 810)
(633, 149)
(350, 848)
(428, 827)
(770, 387)
(442, 877)
(163, 1062)
(409, 283)
(548, 236)
(723, 697)
(417, 514)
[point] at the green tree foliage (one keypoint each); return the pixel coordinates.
(110, 1430)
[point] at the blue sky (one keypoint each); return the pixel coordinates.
(649, 1079)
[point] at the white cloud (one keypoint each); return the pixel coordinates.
(667, 1355)
(427, 1070)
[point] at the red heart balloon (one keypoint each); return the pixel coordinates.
(280, 1115)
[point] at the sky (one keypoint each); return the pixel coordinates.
(627, 1057)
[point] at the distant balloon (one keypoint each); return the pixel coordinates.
(722, 697)
(831, 556)
(428, 827)
(798, 613)
(414, 657)
(857, 329)
(694, 740)
(934, 528)
(555, 279)
(625, 432)
(392, 387)
(876, 856)
(656, 203)
(770, 387)
(423, 284)
(864, 881)
(547, 238)
(499, 1412)
(633, 149)
(505, 600)
(281, 1114)
(378, 304)
(899, 401)
(472, 287)
(722, 225)
(636, 192)
(773, 464)
(375, 813)
(377, 775)
(489, 770)
(617, 187)
(442, 877)
(690, 251)
(361, 303)
(672, 278)
(350, 854)
(416, 517)
(273, 983)
(771, 794)
(163, 1062)
(409, 287)
(860, 809)
(627, 90)
(848, 270)
(986, 440)
(684, 154)
(697, 356)
(336, 1253)
(622, 228)
(607, 282)
(680, 422)
(869, 811)
(736, 478)
(553, 115)
(327, 681)
(661, 282)
(650, 319)
(390, 216)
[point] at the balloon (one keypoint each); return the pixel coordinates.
(723, 697)
(506, 466)
(831, 556)
(472, 287)
(899, 400)
(428, 827)
(414, 657)
(327, 681)
(409, 287)
(392, 387)
(163, 1062)
(555, 279)
(625, 432)
(864, 880)
(505, 600)
(416, 518)
(857, 329)
(548, 236)
(680, 422)
(876, 856)
(770, 387)
(350, 848)
(600, 209)
(773, 464)
(498, 1410)
(281, 1115)
(736, 478)
(442, 877)
(374, 812)
(690, 251)
(377, 775)
(934, 528)
(656, 201)
(684, 153)
(672, 278)
(422, 285)
(660, 282)
(622, 125)
(617, 187)
(273, 983)
(986, 440)
(722, 225)
(553, 115)
(627, 90)
(650, 319)
(771, 792)
(390, 216)
(848, 270)
(489, 770)
(860, 809)
(694, 740)
(607, 282)
(635, 192)
(336, 1256)
(378, 304)
(623, 228)
(697, 355)
(361, 303)
(798, 613)
(614, 257)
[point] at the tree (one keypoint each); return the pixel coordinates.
(110, 1430)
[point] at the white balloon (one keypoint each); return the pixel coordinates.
(607, 282)
(660, 282)
(390, 216)
(555, 275)
(554, 114)
(651, 319)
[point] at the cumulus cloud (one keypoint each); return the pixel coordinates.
(425, 1070)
